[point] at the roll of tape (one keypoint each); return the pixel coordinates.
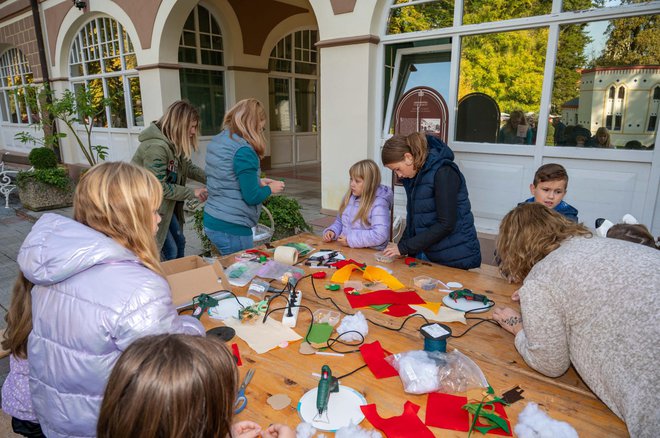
(286, 255)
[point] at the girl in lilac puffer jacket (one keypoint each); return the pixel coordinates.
(364, 214)
(98, 287)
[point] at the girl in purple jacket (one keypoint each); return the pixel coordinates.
(364, 214)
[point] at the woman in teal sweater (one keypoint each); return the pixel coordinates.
(236, 190)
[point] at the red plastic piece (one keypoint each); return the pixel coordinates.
(237, 354)
(319, 275)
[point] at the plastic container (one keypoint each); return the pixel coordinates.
(357, 285)
(326, 316)
(382, 258)
(426, 283)
(258, 288)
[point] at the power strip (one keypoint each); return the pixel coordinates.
(290, 316)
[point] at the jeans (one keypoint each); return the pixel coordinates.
(228, 243)
(26, 428)
(175, 242)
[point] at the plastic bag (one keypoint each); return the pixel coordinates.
(422, 372)
(240, 273)
(280, 271)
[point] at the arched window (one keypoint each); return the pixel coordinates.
(102, 60)
(656, 93)
(15, 75)
(612, 92)
(202, 74)
(609, 109)
(622, 93)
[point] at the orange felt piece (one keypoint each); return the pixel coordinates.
(374, 273)
(433, 307)
(343, 274)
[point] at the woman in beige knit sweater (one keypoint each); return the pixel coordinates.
(588, 301)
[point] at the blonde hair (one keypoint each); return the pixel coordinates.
(396, 147)
(243, 119)
(368, 171)
(174, 386)
(528, 233)
(19, 318)
(603, 131)
(175, 125)
(119, 200)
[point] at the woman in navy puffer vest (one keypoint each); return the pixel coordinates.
(439, 223)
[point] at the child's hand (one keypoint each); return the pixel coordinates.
(329, 236)
(392, 250)
(342, 240)
(245, 429)
(279, 431)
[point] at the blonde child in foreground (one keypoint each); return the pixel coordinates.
(364, 214)
(549, 188)
(176, 386)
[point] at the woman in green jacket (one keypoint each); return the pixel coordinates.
(165, 149)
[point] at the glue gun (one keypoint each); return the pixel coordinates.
(469, 296)
(327, 385)
(203, 302)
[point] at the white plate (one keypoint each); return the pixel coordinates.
(343, 408)
(465, 305)
(228, 308)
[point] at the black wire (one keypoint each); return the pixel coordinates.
(192, 306)
(309, 330)
(347, 343)
(352, 372)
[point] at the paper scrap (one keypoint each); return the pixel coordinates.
(262, 337)
(279, 401)
(444, 314)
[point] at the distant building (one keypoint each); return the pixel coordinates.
(625, 100)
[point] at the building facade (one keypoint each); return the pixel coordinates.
(331, 73)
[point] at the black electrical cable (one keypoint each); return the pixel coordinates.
(352, 372)
(192, 306)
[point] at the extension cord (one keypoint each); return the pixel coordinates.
(290, 321)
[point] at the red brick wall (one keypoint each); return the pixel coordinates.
(21, 35)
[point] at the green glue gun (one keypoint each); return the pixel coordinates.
(327, 385)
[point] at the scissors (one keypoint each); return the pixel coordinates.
(241, 399)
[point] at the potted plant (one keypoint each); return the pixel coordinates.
(46, 186)
(287, 218)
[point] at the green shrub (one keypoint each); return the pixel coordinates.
(198, 226)
(58, 177)
(286, 215)
(43, 158)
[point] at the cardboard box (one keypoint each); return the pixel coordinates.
(191, 276)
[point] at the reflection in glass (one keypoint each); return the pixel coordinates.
(136, 101)
(99, 119)
(118, 103)
(278, 97)
(205, 90)
(483, 11)
(408, 17)
(305, 105)
(201, 33)
(507, 68)
(617, 66)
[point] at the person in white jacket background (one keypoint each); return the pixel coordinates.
(98, 287)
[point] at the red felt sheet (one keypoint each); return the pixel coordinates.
(406, 425)
(446, 411)
(399, 310)
(374, 356)
(384, 297)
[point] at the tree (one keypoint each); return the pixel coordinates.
(570, 59)
(79, 108)
(632, 41)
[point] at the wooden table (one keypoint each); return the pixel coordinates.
(286, 371)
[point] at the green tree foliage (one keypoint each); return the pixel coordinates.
(426, 16)
(570, 59)
(632, 41)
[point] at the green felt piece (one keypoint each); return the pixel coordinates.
(380, 307)
(320, 333)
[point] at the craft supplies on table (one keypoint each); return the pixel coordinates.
(240, 273)
(383, 258)
(230, 307)
(343, 408)
(241, 399)
(425, 282)
(286, 255)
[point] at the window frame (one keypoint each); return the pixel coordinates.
(82, 55)
(18, 65)
(553, 21)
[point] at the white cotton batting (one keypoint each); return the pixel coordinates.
(355, 322)
(355, 431)
(305, 430)
(535, 423)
